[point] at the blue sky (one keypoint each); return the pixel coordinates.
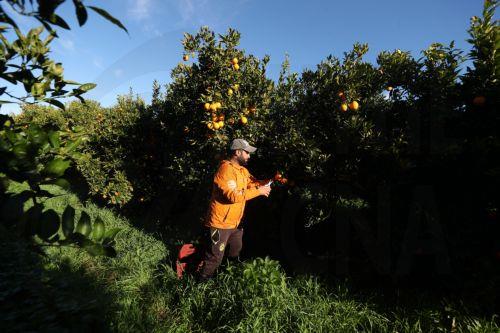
(308, 31)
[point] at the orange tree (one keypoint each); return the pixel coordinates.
(217, 94)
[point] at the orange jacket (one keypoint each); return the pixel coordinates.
(233, 186)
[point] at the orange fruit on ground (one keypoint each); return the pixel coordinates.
(185, 57)
(244, 120)
(479, 101)
(236, 67)
(206, 106)
(343, 107)
(230, 91)
(234, 61)
(354, 105)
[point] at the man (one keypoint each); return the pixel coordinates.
(233, 186)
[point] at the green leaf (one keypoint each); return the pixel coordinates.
(94, 249)
(108, 17)
(61, 182)
(84, 227)
(110, 235)
(37, 135)
(57, 20)
(68, 221)
(54, 139)
(56, 167)
(55, 102)
(98, 229)
(20, 150)
(72, 146)
(81, 12)
(49, 224)
(87, 86)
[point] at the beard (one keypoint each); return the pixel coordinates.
(242, 160)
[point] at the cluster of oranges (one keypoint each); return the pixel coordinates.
(279, 178)
(217, 117)
(234, 63)
(354, 105)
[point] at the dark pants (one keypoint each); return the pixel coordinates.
(216, 243)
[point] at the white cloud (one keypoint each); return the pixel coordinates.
(118, 72)
(67, 44)
(140, 9)
(191, 10)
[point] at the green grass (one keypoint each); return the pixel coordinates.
(65, 289)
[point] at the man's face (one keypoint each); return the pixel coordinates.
(242, 156)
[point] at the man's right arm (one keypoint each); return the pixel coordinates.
(226, 184)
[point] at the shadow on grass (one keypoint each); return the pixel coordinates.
(35, 298)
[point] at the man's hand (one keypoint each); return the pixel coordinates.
(265, 190)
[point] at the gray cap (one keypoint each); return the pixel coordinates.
(242, 144)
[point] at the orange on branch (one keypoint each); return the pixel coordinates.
(354, 105)
(343, 107)
(479, 101)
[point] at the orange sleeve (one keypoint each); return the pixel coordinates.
(254, 182)
(225, 181)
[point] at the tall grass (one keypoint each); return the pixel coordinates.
(65, 289)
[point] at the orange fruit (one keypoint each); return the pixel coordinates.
(230, 91)
(206, 106)
(389, 88)
(218, 105)
(236, 67)
(343, 107)
(479, 101)
(210, 125)
(341, 94)
(236, 87)
(244, 120)
(216, 126)
(221, 117)
(185, 57)
(213, 107)
(354, 105)
(234, 61)
(221, 124)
